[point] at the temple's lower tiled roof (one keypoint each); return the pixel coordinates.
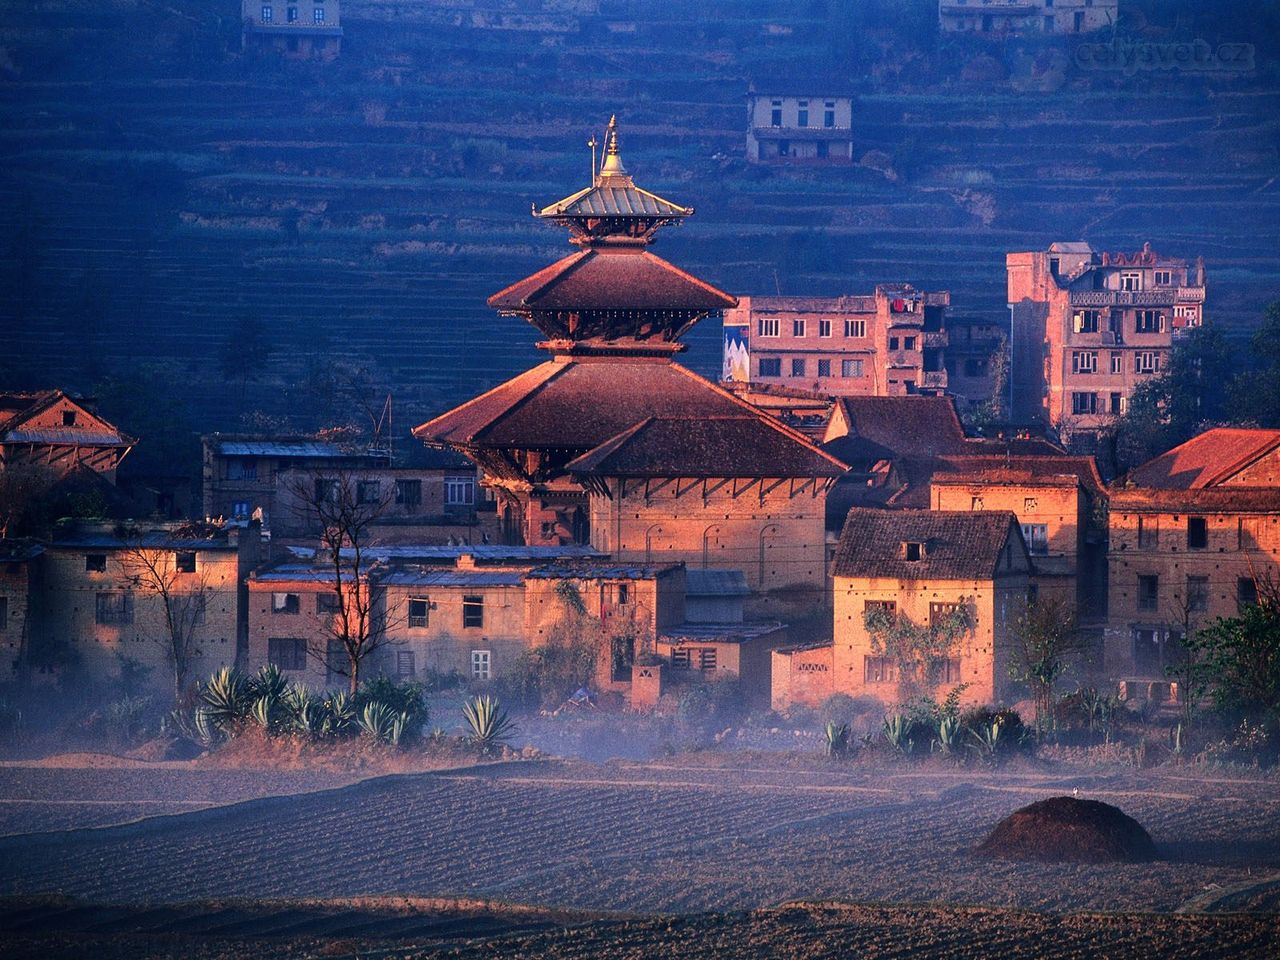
(611, 279)
(582, 405)
(956, 545)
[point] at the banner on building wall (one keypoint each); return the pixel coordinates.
(737, 356)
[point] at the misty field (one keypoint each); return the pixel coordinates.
(700, 833)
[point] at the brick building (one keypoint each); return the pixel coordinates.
(295, 29)
(1003, 17)
(891, 343)
(19, 587)
(613, 444)
(1192, 535)
(798, 126)
(53, 430)
(1087, 328)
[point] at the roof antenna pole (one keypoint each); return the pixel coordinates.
(593, 143)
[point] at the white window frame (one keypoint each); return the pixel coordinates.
(799, 327)
(481, 665)
(459, 491)
(824, 328)
(769, 327)
(857, 329)
(413, 618)
(854, 368)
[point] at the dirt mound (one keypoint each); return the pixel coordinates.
(1067, 829)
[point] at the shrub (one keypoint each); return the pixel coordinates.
(838, 708)
(836, 739)
(406, 698)
(126, 718)
(489, 724)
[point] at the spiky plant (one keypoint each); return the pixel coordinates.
(269, 682)
(897, 731)
(339, 715)
(948, 739)
(489, 724)
(225, 702)
(836, 738)
(379, 721)
(989, 738)
(303, 713)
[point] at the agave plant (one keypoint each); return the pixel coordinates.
(989, 738)
(382, 723)
(948, 738)
(338, 717)
(836, 738)
(897, 730)
(225, 704)
(489, 724)
(269, 682)
(303, 712)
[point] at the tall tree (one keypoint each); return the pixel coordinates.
(1044, 640)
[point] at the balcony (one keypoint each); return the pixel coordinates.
(1123, 298)
(1191, 294)
(934, 380)
(935, 339)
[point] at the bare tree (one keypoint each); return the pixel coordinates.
(169, 573)
(344, 505)
(1044, 639)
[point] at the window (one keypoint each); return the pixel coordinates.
(473, 611)
(824, 328)
(1030, 503)
(68, 418)
(95, 562)
(267, 15)
(908, 343)
(775, 113)
(770, 366)
(480, 665)
(1148, 533)
(824, 368)
(707, 659)
(855, 328)
(1117, 403)
(1084, 361)
(829, 114)
(409, 492)
(4, 613)
(318, 16)
(1088, 321)
(1146, 361)
(1247, 532)
(1246, 592)
(328, 602)
(1148, 592)
(1037, 537)
(327, 490)
(946, 670)
(291, 14)
(184, 561)
(879, 670)
(913, 550)
(1084, 403)
(404, 663)
(1130, 281)
(797, 366)
(242, 468)
(1117, 362)
(1148, 321)
(287, 653)
(1197, 594)
(459, 491)
(893, 343)
(939, 613)
(850, 368)
(114, 608)
(797, 328)
(419, 612)
(1197, 533)
(368, 491)
(1155, 649)
(1163, 278)
(802, 114)
(880, 606)
(769, 326)
(680, 658)
(977, 503)
(285, 603)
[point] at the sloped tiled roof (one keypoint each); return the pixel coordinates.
(1204, 461)
(706, 582)
(885, 428)
(578, 405)
(957, 545)
(610, 279)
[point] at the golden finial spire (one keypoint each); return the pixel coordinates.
(612, 166)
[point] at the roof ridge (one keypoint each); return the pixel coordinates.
(547, 370)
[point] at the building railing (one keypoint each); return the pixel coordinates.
(934, 379)
(1123, 298)
(1191, 294)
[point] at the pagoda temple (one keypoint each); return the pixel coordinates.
(611, 443)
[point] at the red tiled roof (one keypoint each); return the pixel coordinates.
(722, 446)
(626, 278)
(958, 545)
(581, 405)
(1206, 460)
(886, 428)
(1197, 500)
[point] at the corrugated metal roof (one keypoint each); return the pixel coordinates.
(148, 541)
(611, 201)
(78, 438)
(599, 571)
(715, 583)
(453, 578)
(483, 552)
(287, 448)
(718, 632)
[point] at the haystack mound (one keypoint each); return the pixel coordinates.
(1066, 829)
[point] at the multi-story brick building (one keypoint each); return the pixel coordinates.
(1002, 17)
(788, 124)
(107, 592)
(1087, 328)
(923, 565)
(1192, 535)
(892, 343)
(296, 29)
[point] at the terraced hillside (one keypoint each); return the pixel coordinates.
(157, 187)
